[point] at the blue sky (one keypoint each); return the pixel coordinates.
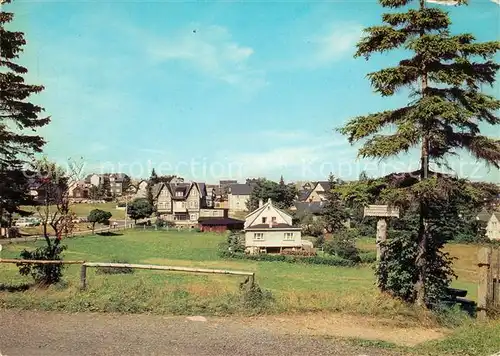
(216, 89)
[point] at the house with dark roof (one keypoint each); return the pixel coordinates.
(238, 196)
(270, 230)
(317, 193)
(492, 221)
(179, 202)
(302, 209)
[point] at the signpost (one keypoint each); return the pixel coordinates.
(382, 212)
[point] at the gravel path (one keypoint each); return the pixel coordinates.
(27, 333)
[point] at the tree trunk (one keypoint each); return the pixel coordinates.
(421, 259)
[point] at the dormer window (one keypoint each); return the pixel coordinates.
(179, 194)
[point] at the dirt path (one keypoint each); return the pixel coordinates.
(26, 333)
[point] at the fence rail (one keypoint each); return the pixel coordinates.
(85, 265)
(488, 294)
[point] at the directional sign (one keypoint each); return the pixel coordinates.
(381, 211)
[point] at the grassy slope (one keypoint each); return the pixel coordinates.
(295, 286)
(84, 209)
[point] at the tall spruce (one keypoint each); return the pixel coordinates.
(447, 106)
(334, 212)
(17, 117)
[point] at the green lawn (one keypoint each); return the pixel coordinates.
(295, 287)
(84, 209)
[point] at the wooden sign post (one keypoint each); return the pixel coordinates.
(383, 212)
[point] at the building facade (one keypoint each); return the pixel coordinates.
(270, 230)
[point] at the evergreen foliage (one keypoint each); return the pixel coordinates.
(444, 75)
(19, 120)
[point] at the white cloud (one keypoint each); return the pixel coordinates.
(301, 153)
(213, 51)
(338, 43)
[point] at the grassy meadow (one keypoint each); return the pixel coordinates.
(295, 287)
(84, 209)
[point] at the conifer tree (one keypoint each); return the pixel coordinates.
(18, 119)
(447, 106)
(334, 213)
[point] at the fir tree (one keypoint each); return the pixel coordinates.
(334, 213)
(17, 117)
(444, 76)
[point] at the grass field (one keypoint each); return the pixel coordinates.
(84, 209)
(295, 287)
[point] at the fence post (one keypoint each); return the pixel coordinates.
(83, 277)
(483, 288)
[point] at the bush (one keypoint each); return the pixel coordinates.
(236, 242)
(314, 260)
(343, 246)
(367, 256)
(164, 223)
(115, 270)
(319, 241)
(254, 297)
(43, 274)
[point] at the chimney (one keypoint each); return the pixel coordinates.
(261, 202)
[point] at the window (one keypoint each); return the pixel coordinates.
(264, 219)
(273, 219)
(183, 205)
(288, 236)
(179, 194)
(191, 204)
(193, 217)
(258, 236)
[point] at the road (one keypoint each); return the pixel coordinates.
(27, 333)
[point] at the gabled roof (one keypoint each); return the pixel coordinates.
(484, 215)
(303, 194)
(324, 184)
(497, 215)
(202, 187)
(304, 208)
(240, 189)
(256, 212)
(174, 188)
(271, 227)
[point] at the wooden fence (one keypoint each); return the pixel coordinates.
(488, 294)
(85, 265)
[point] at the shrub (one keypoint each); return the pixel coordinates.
(314, 260)
(254, 297)
(367, 256)
(319, 241)
(236, 242)
(164, 223)
(43, 274)
(343, 246)
(115, 270)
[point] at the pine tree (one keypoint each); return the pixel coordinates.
(15, 110)
(444, 76)
(334, 213)
(17, 117)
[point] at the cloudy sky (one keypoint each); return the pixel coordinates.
(215, 89)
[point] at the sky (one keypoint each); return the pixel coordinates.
(214, 90)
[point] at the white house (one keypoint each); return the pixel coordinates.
(492, 221)
(269, 229)
(238, 196)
